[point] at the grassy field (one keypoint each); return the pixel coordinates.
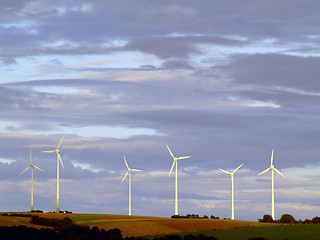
(144, 226)
(272, 232)
(133, 225)
(151, 226)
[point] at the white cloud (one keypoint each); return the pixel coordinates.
(207, 206)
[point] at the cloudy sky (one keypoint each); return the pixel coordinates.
(223, 81)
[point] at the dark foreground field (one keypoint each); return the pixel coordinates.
(273, 232)
(137, 226)
(132, 225)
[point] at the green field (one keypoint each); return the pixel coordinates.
(138, 226)
(281, 232)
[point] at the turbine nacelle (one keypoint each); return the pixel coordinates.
(175, 159)
(31, 165)
(129, 169)
(57, 151)
(231, 173)
(271, 167)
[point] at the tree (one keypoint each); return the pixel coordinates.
(287, 218)
(316, 220)
(266, 218)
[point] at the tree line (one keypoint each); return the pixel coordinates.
(287, 218)
(196, 216)
(61, 230)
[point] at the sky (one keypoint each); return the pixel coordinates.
(224, 81)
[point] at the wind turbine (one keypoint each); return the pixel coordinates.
(175, 162)
(273, 169)
(129, 172)
(57, 151)
(231, 174)
(32, 166)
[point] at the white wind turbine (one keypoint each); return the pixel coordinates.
(272, 189)
(57, 151)
(129, 172)
(32, 166)
(175, 162)
(231, 174)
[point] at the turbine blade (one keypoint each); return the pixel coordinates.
(237, 168)
(60, 159)
(171, 168)
(125, 161)
(30, 157)
(278, 172)
(51, 151)
(60, 142)
(136, 170)
(183, 157)
(124, 176)
(264, 171)
(38, 168)
(25, 170)
(272, 157)
(224, 171)
(170, 152)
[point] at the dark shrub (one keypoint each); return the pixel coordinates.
(266, 218)
(307, 221)
(287, 218)
(114, 234)
(315, 220)
(173, 237)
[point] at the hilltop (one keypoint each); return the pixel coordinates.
(129, 225)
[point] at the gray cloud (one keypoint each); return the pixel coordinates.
(293, 72)
(179, 47)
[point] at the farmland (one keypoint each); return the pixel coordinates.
(134, 225)
(275, 232)
(156, 226)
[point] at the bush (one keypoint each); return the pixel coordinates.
(37, 211)
(57, 224)
(266, 218)
(287, 218)
(307, 221)
(315, 220)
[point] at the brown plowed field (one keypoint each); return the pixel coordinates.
(132, 225)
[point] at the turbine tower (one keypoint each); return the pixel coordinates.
(129, 172)
(57, 151)
(175, 164)
(32, 166)
(231, 174)
(272, 189)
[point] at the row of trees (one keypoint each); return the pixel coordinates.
(287, 218)
(60, 230)
(66, 230)
(195, 216)
(70, 233)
